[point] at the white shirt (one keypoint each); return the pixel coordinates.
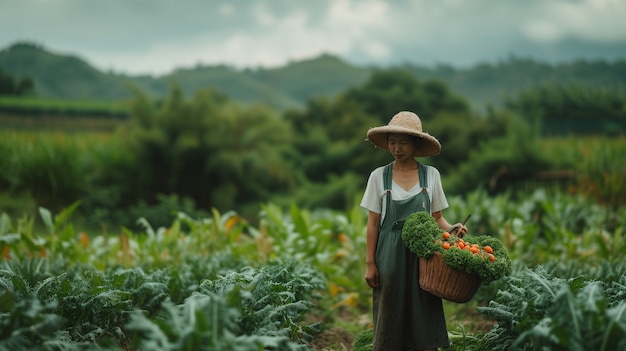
(374, 196)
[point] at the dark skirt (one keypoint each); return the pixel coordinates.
(405, 316)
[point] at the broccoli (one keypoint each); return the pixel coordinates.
(419, 234)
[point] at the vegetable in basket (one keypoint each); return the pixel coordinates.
(482, 255)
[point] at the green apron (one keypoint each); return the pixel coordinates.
(405, 316)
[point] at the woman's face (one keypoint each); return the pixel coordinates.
(401, 146)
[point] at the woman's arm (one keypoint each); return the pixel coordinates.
(371, 271)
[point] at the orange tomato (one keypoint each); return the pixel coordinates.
(474, 250)
(446, 235)
(488, 249)
(492, 257)
(461, 245)
(446, 245)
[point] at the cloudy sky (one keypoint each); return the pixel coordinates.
(157, 36)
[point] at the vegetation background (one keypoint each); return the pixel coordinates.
(529, 148)
(216, 137)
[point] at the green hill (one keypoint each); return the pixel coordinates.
(325, 75)
(493, 83)
(236, 84)
(69, 77)
(60, 76)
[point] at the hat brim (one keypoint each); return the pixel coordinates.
(378, 137)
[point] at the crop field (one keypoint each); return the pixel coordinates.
(295, 281)
(34, 114)
(81, 108)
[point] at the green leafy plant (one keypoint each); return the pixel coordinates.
(273, 299)
(481, 255)
(202, 322)
(537, 311)
(364, 341)
(419, 234)
(88, 285)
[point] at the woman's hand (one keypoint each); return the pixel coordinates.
(459, 230)
(371, 275)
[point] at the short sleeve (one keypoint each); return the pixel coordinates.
(373, 192)
(438, 200)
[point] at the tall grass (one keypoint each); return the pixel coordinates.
(599, 163)
(51, 168)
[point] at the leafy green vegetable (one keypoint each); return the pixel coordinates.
(423, 237)
(478, 264)
(82, 308)
(419, 234)
(537, 311)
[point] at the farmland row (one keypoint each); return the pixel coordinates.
(174, 274)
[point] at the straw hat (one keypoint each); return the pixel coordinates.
(405, 123)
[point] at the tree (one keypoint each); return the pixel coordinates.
(389, 91)
(207, 149)
(565, 109)
(25, 86)
(330, 138)
(6, 84)
(9, 86)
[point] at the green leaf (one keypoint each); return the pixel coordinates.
(46, 217)
(63, 217)
(298, 221)
(5, 224)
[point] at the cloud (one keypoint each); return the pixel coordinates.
(156, 36)
(588, 20)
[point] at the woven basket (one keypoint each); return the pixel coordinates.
(448, 283)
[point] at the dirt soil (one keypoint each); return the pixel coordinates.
(338, 339)
(473, 321)
(332, 339)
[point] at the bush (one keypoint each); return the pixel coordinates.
(517, 152)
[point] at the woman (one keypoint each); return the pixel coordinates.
(405, 317)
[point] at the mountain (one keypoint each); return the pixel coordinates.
(493, 83)
(70, 77)
(237, 85)
(59, 76)
(325, 75)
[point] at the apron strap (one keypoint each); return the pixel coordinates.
(423, 178)
(387, 178)
(424, 185)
